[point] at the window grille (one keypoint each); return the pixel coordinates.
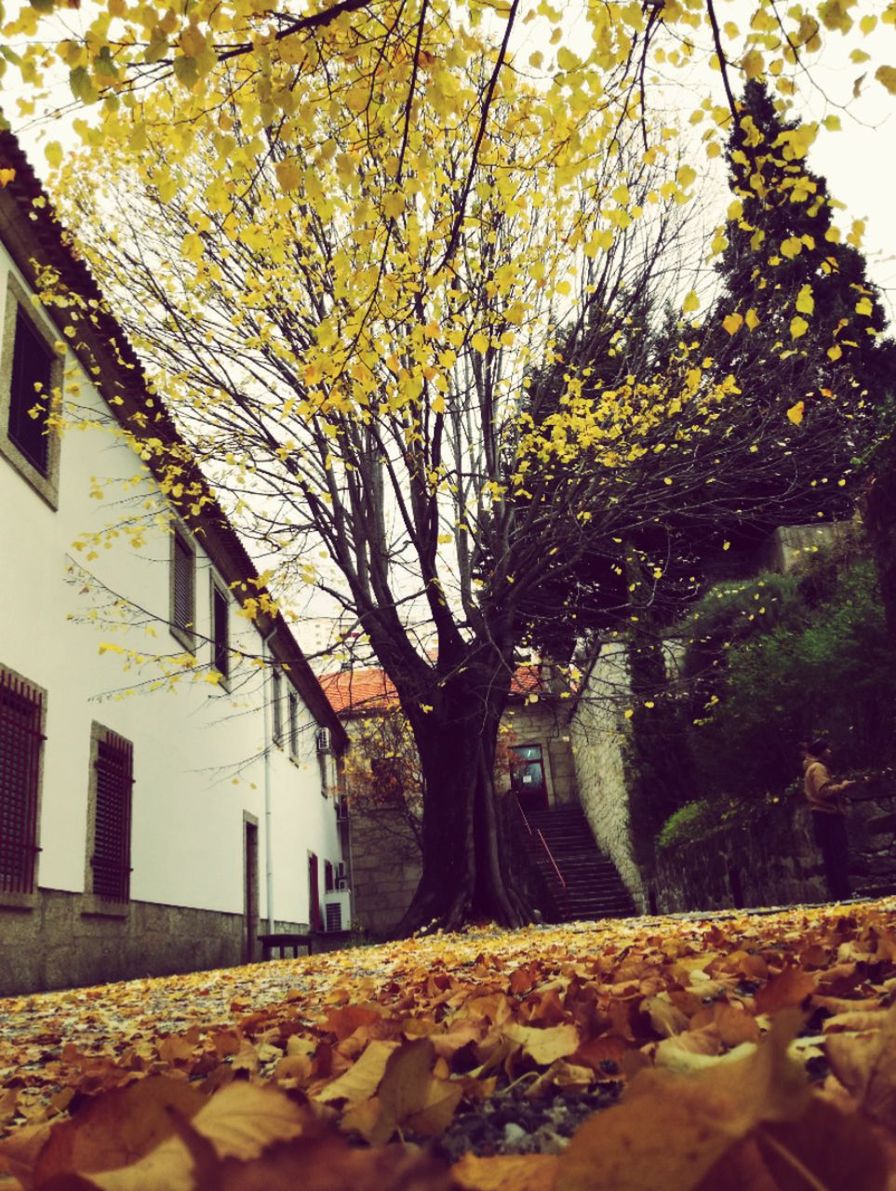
(293, 724)
(183, 595)
(111, 863)
(220, 632)
(277, 706)
(21, 739)
(32, 368)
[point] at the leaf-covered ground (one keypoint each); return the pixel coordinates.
(748, 1050)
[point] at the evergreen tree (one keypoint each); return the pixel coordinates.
(797, 322)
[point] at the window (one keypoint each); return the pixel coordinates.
(31, 372)
(29, 403)
(293, 725)
(220, 632)
(329, 879)
(183, 587)
(277, 704)
(110, 812)
(21, 746)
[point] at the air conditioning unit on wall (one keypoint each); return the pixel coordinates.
(324, 744)
(337, 910)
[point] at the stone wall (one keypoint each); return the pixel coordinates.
(774, 860)
(598, 732)
(55, 940)
(385, 869)
(545, 723)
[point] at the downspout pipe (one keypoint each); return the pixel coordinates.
(267, 687)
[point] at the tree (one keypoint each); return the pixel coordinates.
(342, 240)
(351, 373)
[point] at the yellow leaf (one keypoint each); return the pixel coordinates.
(690, 303)
(863, 306)
(887, 76)
(289, 173)
(753, 64)
(805, 302)
(795, 413)
(835, 352)
(393, 204)
(752, 319)
(733, 323)
(480, 342)
(798, 327)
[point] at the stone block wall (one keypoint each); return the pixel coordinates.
(57, 940)
(598, 732)
(774, 861)
(385, 869)
(545, 723)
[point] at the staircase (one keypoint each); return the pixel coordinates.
(594, 888)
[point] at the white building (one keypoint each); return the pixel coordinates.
(147, 824)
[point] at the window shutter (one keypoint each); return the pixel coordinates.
(293, 725)
(112, 828)
(20, 744)
(220, 632)
(183, 596)
(276, 697)
(32, 364)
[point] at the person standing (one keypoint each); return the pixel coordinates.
(828, 807)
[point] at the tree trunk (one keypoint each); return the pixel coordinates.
(466, 862)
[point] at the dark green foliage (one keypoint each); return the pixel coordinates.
(786, 209)
(824, 664)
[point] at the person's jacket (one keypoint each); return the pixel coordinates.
(821, 792)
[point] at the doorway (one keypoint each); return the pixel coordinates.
(250, 892)
(528, 777)
(315, 922)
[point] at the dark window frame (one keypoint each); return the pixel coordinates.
(110, 816)
(26, 733)
(182, 619)
(220, 641)
(292, 699)
(42, 473)
(277, 705)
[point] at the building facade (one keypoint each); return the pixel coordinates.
(535, 763)
(168, 761)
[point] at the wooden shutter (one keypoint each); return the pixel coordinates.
(277, 705)
(32, 365)
(220, 632)
(20, 744)
(293, 725)
(183, 609)
(112, 825)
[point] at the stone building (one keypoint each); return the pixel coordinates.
(535, 763)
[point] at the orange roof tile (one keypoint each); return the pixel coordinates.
(354, 692)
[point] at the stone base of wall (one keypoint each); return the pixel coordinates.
(65, 940)
(775, 862)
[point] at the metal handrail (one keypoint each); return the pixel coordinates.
(544, 842)
(551, 858)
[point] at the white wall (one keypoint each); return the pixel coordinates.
(197, 749)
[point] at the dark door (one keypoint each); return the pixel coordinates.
(528, 776)
(250, 865)
(314, 919)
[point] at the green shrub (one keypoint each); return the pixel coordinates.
(690, 822)
(827, 666)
